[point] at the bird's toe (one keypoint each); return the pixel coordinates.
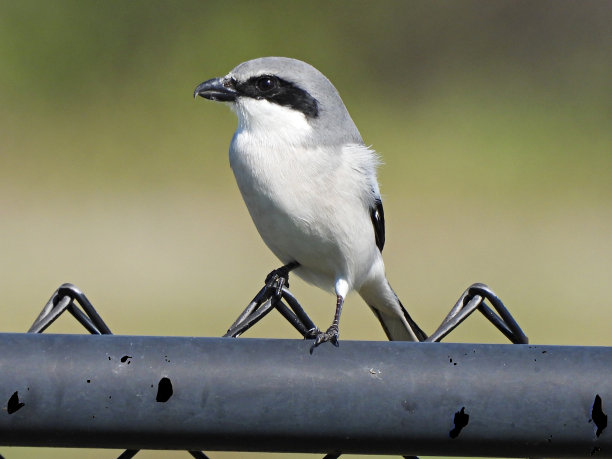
(331, 335)
(278, 279)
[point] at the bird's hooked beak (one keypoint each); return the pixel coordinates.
(219, 89)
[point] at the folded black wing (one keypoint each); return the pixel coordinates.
(378, 220)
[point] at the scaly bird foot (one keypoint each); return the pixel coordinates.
(330, 335)
(278, 279)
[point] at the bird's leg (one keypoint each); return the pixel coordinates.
(279, 278)
(333, 332)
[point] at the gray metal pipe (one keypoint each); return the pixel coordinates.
(272, 395)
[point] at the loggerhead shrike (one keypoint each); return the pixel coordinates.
(309, 183)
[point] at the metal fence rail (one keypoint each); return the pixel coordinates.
(109, 391)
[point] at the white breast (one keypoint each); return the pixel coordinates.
(310, 204)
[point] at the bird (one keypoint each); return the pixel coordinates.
(310, 185)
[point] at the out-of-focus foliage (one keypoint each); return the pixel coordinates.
(494, 119)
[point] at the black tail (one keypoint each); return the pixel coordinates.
(395, 328)
(421, 335)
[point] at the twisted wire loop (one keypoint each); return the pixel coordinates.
(474, 299)
(265, 301)
(70, 298)
(276, 295)
(64, 299)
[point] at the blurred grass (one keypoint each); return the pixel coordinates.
(493, 119)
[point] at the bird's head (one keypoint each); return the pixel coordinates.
(279, 94)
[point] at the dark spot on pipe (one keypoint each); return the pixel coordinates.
(14, 404)
(88, 381)
(109, 357)
(460, 420)
(597, 415)
(126, 358)
(164, 390)
(409, 406)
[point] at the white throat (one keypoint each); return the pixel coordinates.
(271, 124)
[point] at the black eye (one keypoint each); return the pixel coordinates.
(266, 83)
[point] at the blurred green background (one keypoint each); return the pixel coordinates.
(494, 119)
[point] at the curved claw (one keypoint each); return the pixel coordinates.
(332, 334)
(279, 278)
